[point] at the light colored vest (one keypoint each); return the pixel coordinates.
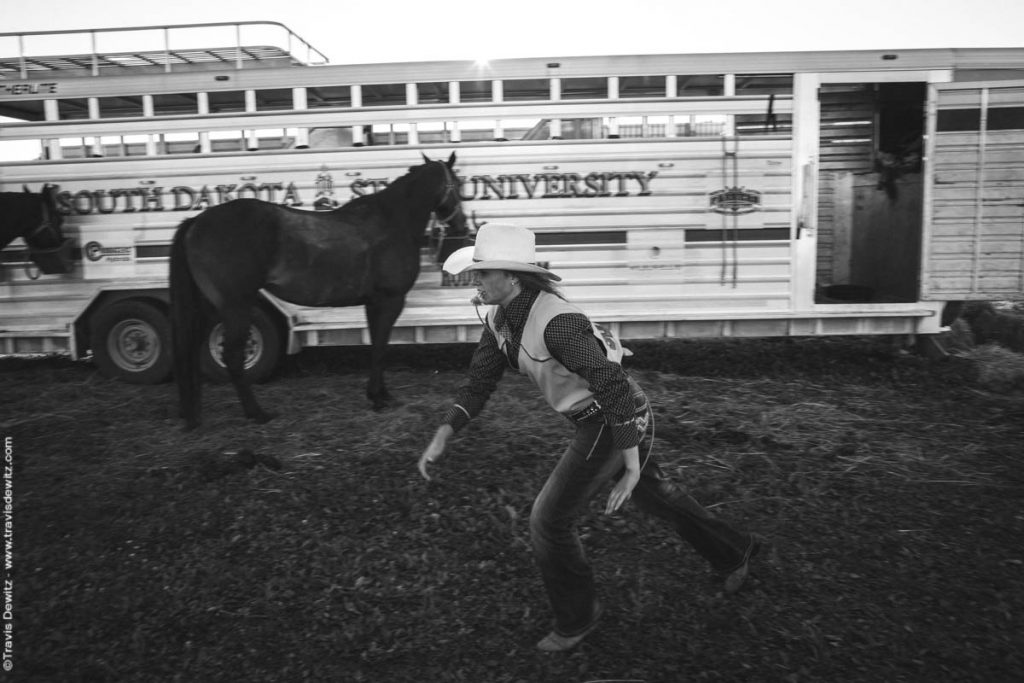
(565, 391)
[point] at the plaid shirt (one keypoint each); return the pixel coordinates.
(571, 341)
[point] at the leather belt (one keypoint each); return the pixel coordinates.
(586, 412)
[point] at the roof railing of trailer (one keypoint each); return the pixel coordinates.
(97, 61)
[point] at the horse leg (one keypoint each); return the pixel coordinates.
(236, 334)
(187, 325)
(381, 314)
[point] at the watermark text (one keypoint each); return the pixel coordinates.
(7, 603)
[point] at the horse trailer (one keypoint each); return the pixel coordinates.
(704, 195)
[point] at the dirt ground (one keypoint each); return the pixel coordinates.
(888, 484)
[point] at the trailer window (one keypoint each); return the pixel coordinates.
(523, 129)
(222, 102)
(73, 109)
(133, 145)
(434, 132)
(963, 120)
(180, 143)
(964, 109)
(477, 131)
(1006, 118)
(73, 148)
(764, 84)
(634, 127)
(116, 146)
(268, 138)
(384, 95)
(769, 122)
(584, 88)
(390, 134)
(175, 104)
(642, 86)
(518, 90)
(329, 96)
(475, 91)
(120, 107)
(432, 93)
(705, 125)
(276, 99)
(703, 85)
(22, 110)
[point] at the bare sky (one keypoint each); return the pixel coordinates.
(400, 30)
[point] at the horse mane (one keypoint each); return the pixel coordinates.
(402, 182)
(399, 186)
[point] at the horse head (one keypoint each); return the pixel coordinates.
(448, 211)
(35, 218)
(449, 205)
(49, 234)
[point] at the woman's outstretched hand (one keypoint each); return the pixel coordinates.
(623, 488)
(435, 449)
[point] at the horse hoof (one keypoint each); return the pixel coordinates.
(264, 418)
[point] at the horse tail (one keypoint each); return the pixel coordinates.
(187, 326)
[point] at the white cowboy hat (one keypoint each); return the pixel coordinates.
(499, 247)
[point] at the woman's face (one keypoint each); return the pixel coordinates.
(495, 287)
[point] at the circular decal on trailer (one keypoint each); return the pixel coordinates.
(94, 251)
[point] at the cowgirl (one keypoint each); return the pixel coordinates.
(532, 328)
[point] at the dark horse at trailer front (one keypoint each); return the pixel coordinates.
(31, 216)
(366, 252)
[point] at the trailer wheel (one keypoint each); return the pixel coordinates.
(262, 349)
(131, 342)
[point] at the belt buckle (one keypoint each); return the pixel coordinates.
(589, 411)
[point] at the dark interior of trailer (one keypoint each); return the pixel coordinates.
(870, 205)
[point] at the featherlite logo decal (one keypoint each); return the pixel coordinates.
(325, 195)
(733, 201)
(28, 88)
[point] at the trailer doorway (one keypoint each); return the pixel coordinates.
(871, 203)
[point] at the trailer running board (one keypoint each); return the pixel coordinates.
(353, 332)
(24, 340)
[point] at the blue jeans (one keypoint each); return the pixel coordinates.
(588, 464)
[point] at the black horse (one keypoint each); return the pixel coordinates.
(32, 216)
(366, 252)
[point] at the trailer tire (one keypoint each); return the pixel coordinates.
(131, 342)
(262, 350)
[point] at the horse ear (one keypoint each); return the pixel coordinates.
(425, 158)
(451, 161)
(25, 188)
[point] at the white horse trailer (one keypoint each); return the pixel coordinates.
(767, 194)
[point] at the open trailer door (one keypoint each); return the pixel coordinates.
(973, 245)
